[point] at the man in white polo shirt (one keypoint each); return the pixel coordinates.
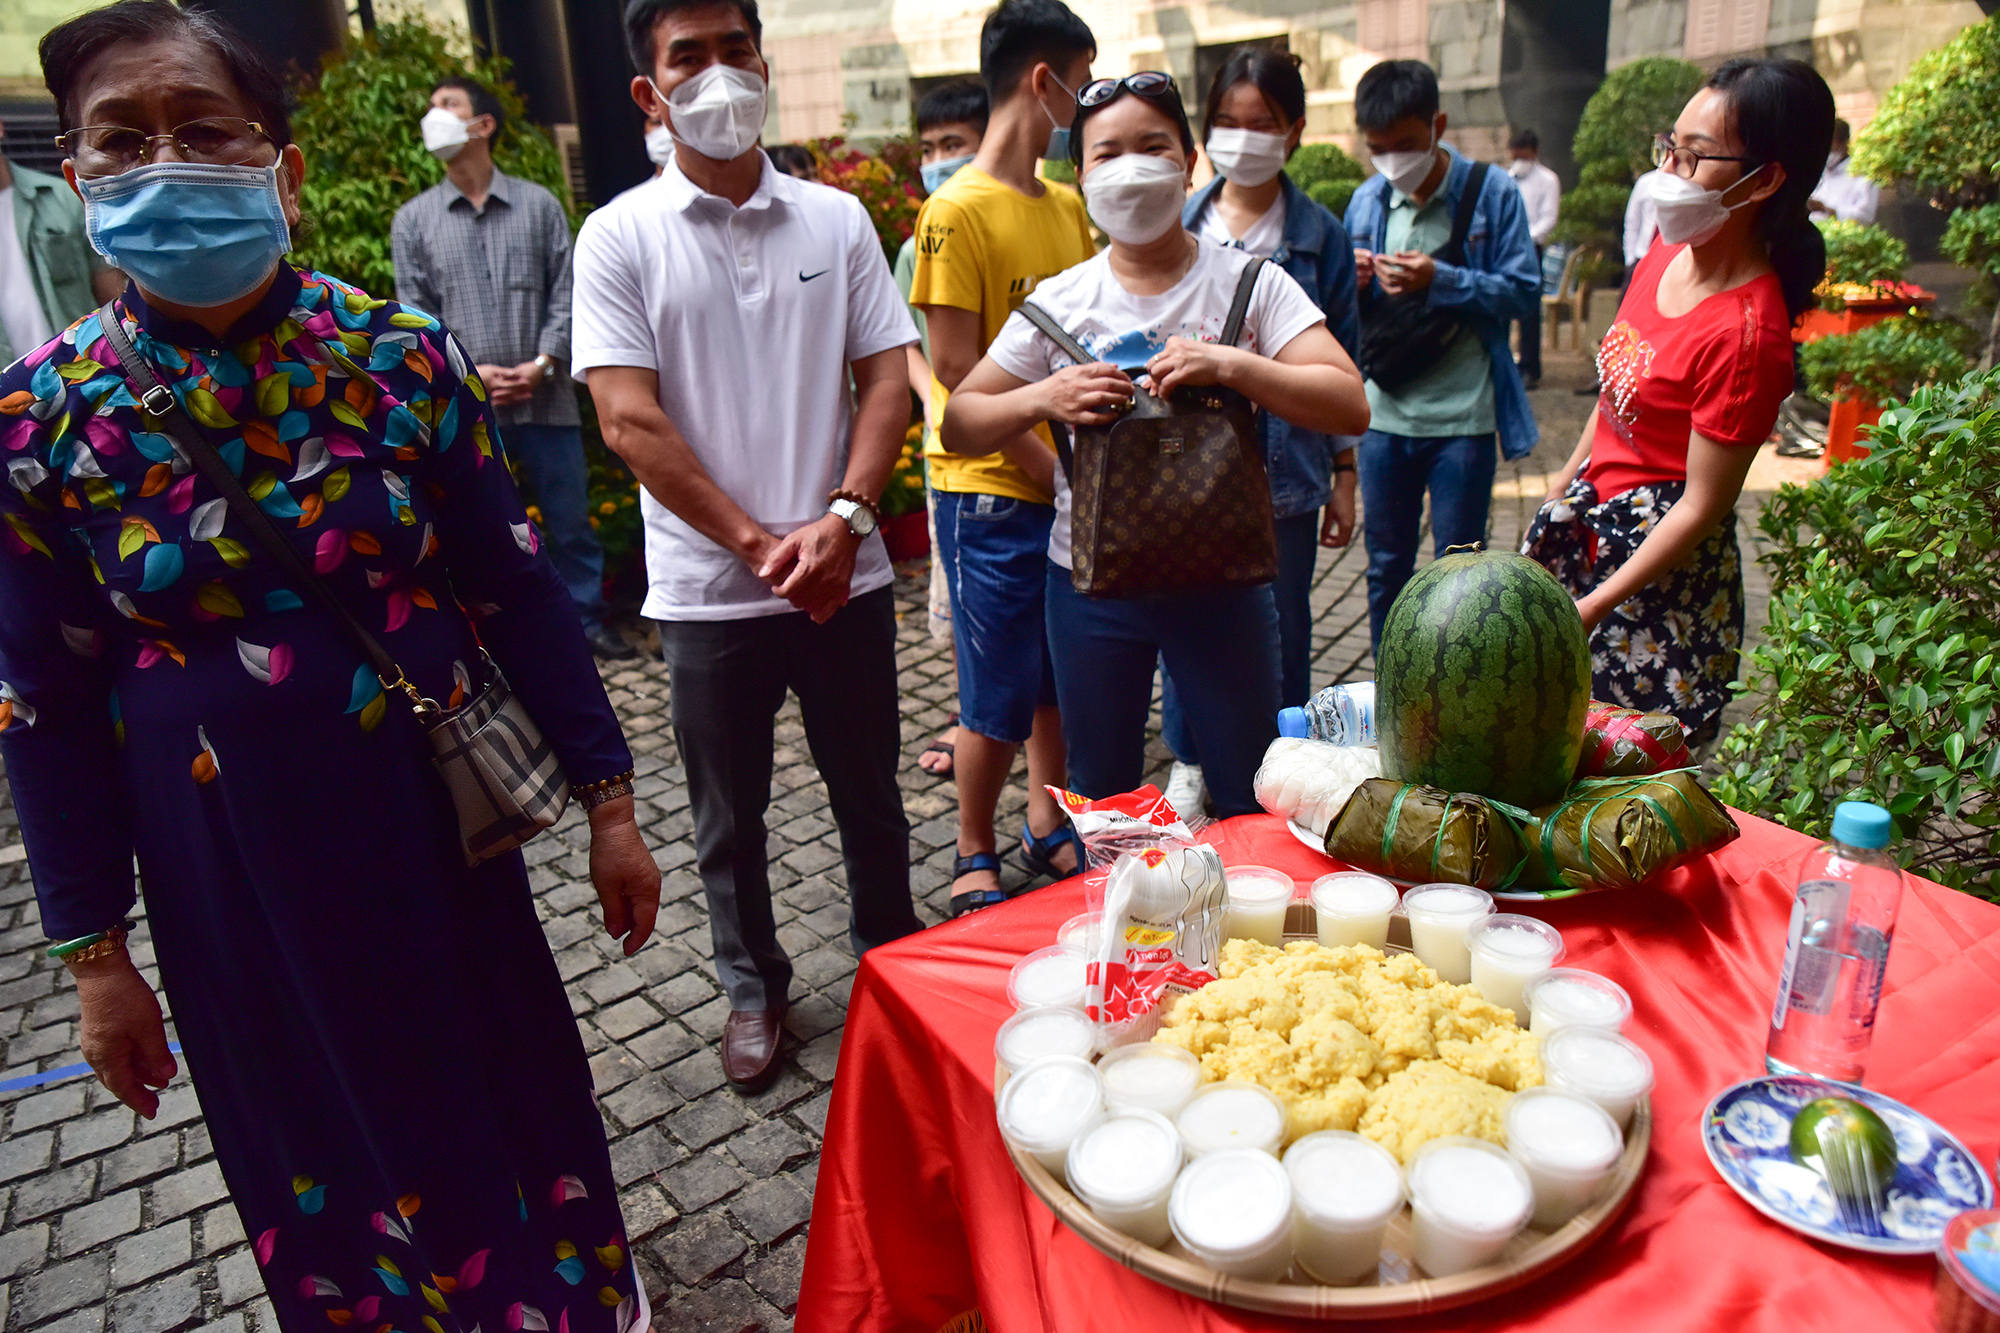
(720, 309)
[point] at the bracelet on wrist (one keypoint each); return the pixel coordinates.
(90, 948)
(593, 794)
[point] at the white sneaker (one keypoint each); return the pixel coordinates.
(1185, 790)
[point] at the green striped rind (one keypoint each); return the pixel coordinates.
(1483, 680)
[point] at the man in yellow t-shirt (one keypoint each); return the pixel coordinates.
(984, 240)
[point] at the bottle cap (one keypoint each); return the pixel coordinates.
(1292, 722)
(1861, 824)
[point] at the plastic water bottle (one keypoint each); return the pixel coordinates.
(1838, 948)
(1342, 714)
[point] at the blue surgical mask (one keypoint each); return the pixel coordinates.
(1058, 149)
(193, 233)
(935, 174)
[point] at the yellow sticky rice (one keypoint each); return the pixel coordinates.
(1356, 1039)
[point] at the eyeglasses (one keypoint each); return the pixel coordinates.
(1685, 161)
(107, 150)
(1150, 83)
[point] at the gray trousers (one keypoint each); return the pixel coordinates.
(729, 678)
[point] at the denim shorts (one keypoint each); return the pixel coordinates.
(995, 550)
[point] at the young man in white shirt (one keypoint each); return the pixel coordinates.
(720, 309)
(1841, 195)
(1541, 194)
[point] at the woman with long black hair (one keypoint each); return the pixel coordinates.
(1640, 525)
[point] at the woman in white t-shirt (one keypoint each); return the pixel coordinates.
(1152, 304)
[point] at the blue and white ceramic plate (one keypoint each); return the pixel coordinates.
(1747, 1132)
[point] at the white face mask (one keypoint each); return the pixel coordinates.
(1406, 171)
(1136, 197)
(444, 133)
(1519, 168)
(1246, 157)
(719, 112)
(659, 145)
(1688, 213)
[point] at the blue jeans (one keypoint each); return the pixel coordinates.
(557, 479)
(994, 549)
(1221, 647)
(1298, 552)
(1396, 470)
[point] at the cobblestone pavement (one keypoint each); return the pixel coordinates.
(113, 1223)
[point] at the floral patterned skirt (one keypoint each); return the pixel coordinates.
(1671, 647)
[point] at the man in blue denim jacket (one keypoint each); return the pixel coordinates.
(1435, 432)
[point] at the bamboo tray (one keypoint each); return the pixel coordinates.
(1397, 1288)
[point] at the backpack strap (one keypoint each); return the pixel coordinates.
(1246, 282)
(1461, 222)
(1058, 432)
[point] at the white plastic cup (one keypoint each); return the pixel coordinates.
(1509, 951)
(1345, 1188)
(1598, 1066)
(1571, 997)
(1047, 1104)
(1234, 1113)
(1232, 1210)
(1353, 908)
(1124, 1168)
(1439, 916)
(1149, 1076)
(1050, 976)
(1033, 1034)
(1258, 897)
(1468, 1198)
(1569, 1147)
(1082, 931)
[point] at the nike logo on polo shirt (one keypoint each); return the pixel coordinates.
(808, 277)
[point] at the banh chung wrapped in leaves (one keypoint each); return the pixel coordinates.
(1624, 742)
(1308, 781)
(1614, 833)
(1424, 835)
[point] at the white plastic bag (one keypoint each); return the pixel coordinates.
(1308, 781)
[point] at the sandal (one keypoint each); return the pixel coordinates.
(1038, 854)
(962, 903)
(943, 747)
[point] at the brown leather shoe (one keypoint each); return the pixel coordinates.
(750, 1048)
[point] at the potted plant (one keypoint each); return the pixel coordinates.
(905, 527)
(1858, 373)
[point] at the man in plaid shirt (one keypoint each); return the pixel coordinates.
(489, 254)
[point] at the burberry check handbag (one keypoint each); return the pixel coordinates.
(505, 783)
(1172, 497)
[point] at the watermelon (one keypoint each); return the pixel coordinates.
(1483, 680)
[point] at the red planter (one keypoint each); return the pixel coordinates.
(907, 536)
(1845, 418)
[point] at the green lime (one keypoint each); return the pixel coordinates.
(1847, 1143)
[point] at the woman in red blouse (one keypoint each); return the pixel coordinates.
(1640, 525)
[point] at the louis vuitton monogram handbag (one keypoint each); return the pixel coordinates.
(1172, 497)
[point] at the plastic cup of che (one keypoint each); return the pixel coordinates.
(1082, 931)
(1571, 997)
(1598, 1066)
(1569, 1146)
(1047, 1104)
(1509, 951)
(1149, 1076)
(1345, 1188)
(1033, 1034)
(1258, 897)
(1353, 908)
(1234, 1113)
(1440, 914)
(1050, 976)
(1232, 1210)
(1124, 1168)
(1468, 1198)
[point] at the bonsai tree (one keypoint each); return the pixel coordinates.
(1614, 147)
(1862, 261)
(1936, 135)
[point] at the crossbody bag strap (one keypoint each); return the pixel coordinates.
(1070, 347)
(159, 400)
(1461, 222)
(1232, 328)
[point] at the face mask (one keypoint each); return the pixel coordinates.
(1688, 214)
(1058, 149)
(444, 133)
(935, 174)
(194, 234)
(719, 112)
(1136, 197)
(1519, 168)
(1406, 171)
(1245, 157)
(659, 145)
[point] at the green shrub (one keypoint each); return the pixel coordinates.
(1859, 255)
(1313, 163)
(1614, 147)
(1936, 131)
(1885, 361)
(1877, 666)
(1333, 195)
(1972, 238)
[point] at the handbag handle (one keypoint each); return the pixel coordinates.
(157, 399)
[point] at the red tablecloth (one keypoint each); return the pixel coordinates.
(919, 1215)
